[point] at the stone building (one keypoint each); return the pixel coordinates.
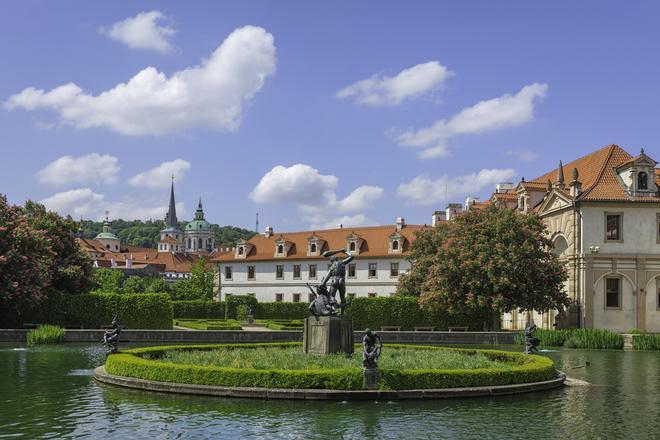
(276, 266)
(198, 236)
(603, 216)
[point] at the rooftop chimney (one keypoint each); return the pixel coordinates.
(400, 223)
(268, 232)
(340, 226)
(503, 187)
(452, 210)
(437, 217)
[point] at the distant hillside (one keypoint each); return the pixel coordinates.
(146, 233)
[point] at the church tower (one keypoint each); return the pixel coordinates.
(171, 237)
(198, 234)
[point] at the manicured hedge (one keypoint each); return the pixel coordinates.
(142, 363)
(198, 309)
(233, 301)
(282, 310)
(404, 312)
(209, 324)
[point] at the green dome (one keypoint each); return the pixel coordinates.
(107, 235)
(198, 225)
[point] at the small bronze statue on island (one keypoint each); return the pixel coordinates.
(334, 281)
(111, 337)
(371, 348)
(531, 342)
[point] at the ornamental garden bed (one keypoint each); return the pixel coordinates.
(209, 324)
(283, 366)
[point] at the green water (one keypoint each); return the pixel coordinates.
(48, 392)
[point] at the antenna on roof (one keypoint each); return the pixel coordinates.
(256, 226)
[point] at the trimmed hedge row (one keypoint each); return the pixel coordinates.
(198, 309)
(282, 310)
(142, 363)
(209, 324)
(232, 302)
(135, 311)
(404, 312)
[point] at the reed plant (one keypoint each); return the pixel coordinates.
(45, 334)
(646, 342)
(594, 338)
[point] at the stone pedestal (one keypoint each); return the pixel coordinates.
(328, 334)
(371, 377)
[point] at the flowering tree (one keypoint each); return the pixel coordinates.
(493, 259)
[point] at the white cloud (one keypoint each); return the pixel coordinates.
(505, 111)
(160, 176)
(381, 90)
(90, 168)
(143, 31)
(346, 221)
(210, 95)
(85, 203)
(425, 190)
(314, 194)
(522, 155)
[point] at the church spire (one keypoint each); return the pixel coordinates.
(170, 218)
(199, 214)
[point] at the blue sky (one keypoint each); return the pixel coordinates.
(313, 113)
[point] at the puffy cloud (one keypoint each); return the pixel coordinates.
(425, 190)
(90, 168)
(522, 155)
(346, 221)
(160, 176)
(143, 32)
(505, 111)
(85, 203)
(381, 90)
(210, 95)
(314, 194)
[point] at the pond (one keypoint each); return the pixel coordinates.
(48, 392)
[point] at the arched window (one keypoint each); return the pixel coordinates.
(240, 250)
(395, 245)
(351, 247)
(312, 248)
(642, 180)
(107, 246)
(280, 249)
(200, 244)
(559, 245)
(189, 245)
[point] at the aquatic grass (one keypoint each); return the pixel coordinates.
(646, 342)
(45, 334)
(548, 338)
(594, 338)
(291, 358)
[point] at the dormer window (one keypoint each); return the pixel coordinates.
(395, 245)
(241, 250)
(280, 249)
(351, 246)
(642, 181)
(396, 242)
(312, 248)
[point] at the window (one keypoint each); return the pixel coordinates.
(312, 271)
(310, 297)
(296, 271)
(371, 295)
(199, 246)
(351, 247)
(642, 180)
(279, 297)
(280, 249)
(373, 267)
(395, 245)
(228, 273)
(189, 245)
(279, 272)
(351, 270)
(251, 274)
(296, 297)
(394, 269)
(312, 248)
(613, 227)
(613, 293)
(240, 250)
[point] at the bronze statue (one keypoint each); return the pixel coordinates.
(111, 337)
(371, 347)
(531, 342)
(337, 274)
(323, 304)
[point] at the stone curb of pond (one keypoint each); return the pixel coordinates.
(270, 393)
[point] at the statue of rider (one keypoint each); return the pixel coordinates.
(337, 274)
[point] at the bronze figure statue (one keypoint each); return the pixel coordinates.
(111, 337)
(371, 348)
(337, 274)
(531, 342)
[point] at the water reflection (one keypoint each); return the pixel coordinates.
(47, 392)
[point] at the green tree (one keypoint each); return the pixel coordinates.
(108, 280)
(72, 269)
(494, 259)
(157, 285)
(198, 287)
(26, 261)
(135, 284)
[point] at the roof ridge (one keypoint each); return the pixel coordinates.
(317, 231)
(601, 172)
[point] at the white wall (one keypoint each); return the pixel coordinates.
(619, 320)
(639, 229)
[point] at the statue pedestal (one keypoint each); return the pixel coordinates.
(371, 377)
(328, 334)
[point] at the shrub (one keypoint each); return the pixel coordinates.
(282, 310)
(233, 301)
(594, 338)
(404, 312)
(143, 363)
(45, 334)
(646, 342)
(287, 325)
(198, 309)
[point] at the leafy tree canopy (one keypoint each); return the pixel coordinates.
(493, 259)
